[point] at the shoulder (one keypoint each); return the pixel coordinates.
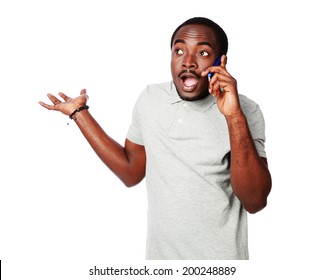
(155, 93)
(252, 111)
(247, 103)
(162, 89)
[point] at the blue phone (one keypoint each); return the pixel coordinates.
(216, 63)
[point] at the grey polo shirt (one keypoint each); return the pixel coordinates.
(192, 210)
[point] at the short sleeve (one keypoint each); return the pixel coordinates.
(256, 124)
(135, 134)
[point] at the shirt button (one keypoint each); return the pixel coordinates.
(185, 105)
(179, 120)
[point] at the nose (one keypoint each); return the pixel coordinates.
(189, 62)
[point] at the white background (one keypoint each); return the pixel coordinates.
(62, 211)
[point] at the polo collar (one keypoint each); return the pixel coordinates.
(199, 105)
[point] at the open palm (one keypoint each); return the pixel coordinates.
(68, 105)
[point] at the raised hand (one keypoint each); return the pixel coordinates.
(223, 86)
(68, 105)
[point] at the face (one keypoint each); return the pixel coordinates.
(194, 49)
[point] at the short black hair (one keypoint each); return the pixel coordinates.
(220, 34)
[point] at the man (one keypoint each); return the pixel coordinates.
(200, 145)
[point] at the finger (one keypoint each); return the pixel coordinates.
(65, 97)
(211, 69)
(49, 107)
(217, 77)
(217, 69)
(84, 93)
(219, 92)
(223, 61)
(215, 89)
(214, 85)
(218, 87)
(53, 99)
(221, 76)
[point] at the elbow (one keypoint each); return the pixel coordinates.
(131, 182)
(130, 179)
(255, 207)
(257, 199)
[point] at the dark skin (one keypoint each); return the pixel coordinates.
(194, 51)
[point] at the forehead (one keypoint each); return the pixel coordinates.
(196, 32)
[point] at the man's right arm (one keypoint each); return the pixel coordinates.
(127, 162)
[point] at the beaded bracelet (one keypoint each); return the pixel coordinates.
(84, 107)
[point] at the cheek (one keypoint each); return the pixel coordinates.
(204, 83)
(175, 68)
(205, 64)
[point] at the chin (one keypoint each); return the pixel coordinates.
(192, 96)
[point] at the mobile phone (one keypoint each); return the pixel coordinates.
(216, 63)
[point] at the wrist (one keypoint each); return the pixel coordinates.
(236, 117)
(73, 116)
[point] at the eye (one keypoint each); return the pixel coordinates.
(204, 53)
(178, 51)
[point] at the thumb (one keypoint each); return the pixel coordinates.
(223, 61)
(83, 92)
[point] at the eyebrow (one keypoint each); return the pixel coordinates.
(205, 43)
(199, 44)
(179, 41)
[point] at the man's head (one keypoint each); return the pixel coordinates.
(195, 45)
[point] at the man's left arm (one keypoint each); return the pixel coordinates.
(250, 177)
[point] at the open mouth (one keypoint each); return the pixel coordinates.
(189, 82)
